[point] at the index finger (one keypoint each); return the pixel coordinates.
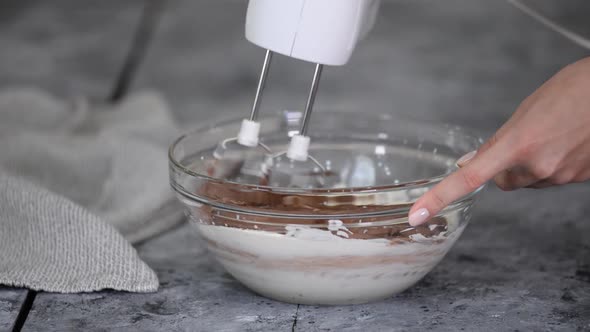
(483, 167)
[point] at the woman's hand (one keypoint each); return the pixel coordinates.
(546, 142)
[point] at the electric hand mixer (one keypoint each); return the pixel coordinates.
(323, 32)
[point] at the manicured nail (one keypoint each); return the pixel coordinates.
(466, 158)
(418, 217)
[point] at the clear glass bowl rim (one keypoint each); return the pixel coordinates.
(465, 134)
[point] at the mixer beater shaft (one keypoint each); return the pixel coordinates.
(261, 85)
(311, 98)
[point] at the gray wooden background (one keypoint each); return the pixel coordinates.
(524, 262)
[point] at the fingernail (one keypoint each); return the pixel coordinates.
(466, 158)
(418, 217)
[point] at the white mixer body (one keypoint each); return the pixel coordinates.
(319, 31)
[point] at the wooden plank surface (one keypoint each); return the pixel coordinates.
(195, 295)
(11, 299)
(522, 267)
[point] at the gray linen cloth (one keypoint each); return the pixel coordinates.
(78, 184)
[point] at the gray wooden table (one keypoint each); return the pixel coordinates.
(524, 262)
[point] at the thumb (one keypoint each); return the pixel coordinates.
(480, 169)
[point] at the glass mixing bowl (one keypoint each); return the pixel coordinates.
(350, 243)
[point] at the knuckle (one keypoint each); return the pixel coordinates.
(563, 177)
(543, 170)
(541, 184)
(493, 140)
(582, 176)
(503, 184)
(526, 144)
(525, 149)
(437, 200)
(471, 179)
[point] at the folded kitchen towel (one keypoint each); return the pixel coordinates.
(78, 184)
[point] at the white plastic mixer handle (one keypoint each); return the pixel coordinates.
(319, 31)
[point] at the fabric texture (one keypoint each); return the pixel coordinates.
(78, 184)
